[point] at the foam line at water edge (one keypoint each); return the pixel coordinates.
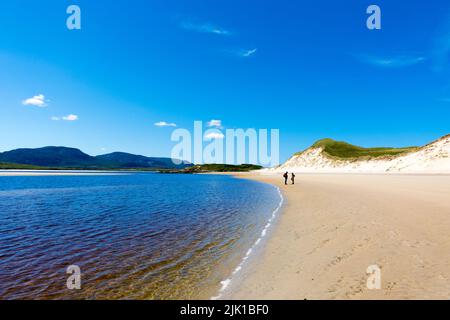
(225, 283)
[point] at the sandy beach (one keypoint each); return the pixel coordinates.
(334, 226)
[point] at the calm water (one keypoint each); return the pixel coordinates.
(137, 236)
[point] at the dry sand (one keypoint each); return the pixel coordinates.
(334, 226)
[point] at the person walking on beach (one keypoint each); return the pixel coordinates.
(286, 176)
(293, 178)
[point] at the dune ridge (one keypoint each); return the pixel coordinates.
(432, 158)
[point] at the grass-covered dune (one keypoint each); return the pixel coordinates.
(344, 150)
(223, 168)
(204, 168)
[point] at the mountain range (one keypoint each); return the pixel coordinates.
(65, 158)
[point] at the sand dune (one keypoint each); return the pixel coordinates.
(432, 158)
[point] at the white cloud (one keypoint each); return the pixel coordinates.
(214, 135)
(248, 53)
(37, 101)
(391, 62)
(215, 123)
(205, 28)
(70, 117)
(165, 124)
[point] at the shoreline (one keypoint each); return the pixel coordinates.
(255, 249)
(334, 226)
(42, 173)
(329, 228)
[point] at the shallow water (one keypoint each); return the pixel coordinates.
(138, 236)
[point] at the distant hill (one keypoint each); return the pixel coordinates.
(64, 158)
(127, 160)
(222, 168)
(330, 156)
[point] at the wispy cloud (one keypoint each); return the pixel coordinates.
(240, 53)
(441, 47)
(70, 117)
(214, 135)
(247, 53)
(215, 123)
(204, 28)
(37, 101)
(165, 124)
(391, 62)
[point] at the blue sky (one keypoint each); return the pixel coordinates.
(309, 68)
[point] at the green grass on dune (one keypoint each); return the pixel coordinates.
(340, 149)
(222, 168)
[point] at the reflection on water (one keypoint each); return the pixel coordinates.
(140, 236)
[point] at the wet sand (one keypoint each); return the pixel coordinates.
(333, 227)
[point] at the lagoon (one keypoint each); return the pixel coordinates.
(134, 236)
